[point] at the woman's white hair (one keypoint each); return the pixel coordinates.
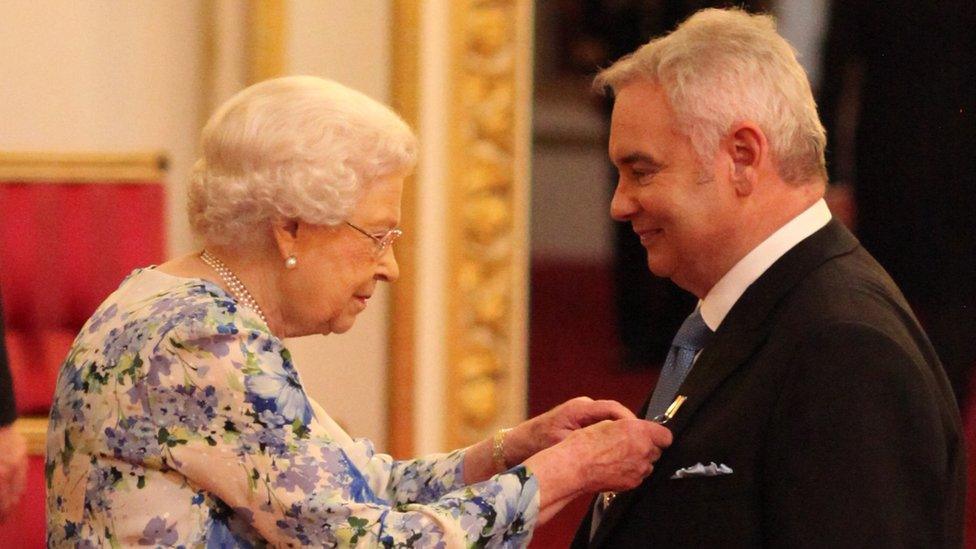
(298, 148)
(721, 67)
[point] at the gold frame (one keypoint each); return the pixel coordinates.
(405, 84)
(487, 216)
(490, 75)
(28, 167)
(264, 46)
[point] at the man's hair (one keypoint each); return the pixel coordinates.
(721, 67)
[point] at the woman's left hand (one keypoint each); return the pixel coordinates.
(544, 430)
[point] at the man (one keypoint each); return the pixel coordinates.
(816, 412)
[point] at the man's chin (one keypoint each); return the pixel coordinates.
(657, 267)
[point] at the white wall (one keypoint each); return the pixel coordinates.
(109, 76)
(347, 41)
(118, 75)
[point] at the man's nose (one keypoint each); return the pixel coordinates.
(622, 206)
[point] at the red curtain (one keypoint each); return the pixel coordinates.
(64, 247)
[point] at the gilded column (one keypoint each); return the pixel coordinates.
(489, 166)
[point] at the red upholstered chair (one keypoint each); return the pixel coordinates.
(71, 228)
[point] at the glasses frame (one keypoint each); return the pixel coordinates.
(382, 242)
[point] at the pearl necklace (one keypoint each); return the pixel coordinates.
(237, 287)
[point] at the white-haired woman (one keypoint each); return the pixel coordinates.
(179, 418)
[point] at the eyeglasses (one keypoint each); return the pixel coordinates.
(381, 242)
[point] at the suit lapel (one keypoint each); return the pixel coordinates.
(747, 325)
(742, 332)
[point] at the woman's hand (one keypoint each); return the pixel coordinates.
(554, 426)
(616, 455)
(610, 455)
(538, 433)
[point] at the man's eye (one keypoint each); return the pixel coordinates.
(643, 174)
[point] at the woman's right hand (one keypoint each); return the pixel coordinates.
(617, 455)
(607, 456)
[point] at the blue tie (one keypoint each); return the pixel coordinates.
(691, 338)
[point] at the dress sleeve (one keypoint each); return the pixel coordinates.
(421, 480)
(233, 419)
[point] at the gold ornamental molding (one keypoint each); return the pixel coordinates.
(487, 207)
(44, 167)
(242, 43)
(405, 84)
(265, 40)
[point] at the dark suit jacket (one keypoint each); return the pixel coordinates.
(903, 74)
(824, 396)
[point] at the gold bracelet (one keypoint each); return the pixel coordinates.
(498, 450)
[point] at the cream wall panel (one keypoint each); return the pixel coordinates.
(347, 41)
(109, 76)
(432, 253)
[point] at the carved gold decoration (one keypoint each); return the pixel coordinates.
(487, 212)
(47, 167)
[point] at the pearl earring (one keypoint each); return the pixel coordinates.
(291, 262)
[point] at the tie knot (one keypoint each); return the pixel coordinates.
(694, 333)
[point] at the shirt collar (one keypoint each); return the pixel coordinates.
(720, 299)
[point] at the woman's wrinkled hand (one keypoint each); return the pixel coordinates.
(612, 455)
(617, 455)
(554, 426)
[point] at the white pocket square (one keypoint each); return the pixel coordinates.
(699, 470)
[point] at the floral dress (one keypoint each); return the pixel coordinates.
(180, 421)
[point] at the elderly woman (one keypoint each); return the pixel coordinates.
(180, 420)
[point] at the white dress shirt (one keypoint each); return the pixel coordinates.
(720, 299)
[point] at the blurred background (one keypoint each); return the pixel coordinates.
(519, 291)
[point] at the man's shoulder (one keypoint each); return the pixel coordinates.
(848, 289)
(848, 318)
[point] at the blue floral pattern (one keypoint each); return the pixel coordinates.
(179, 420)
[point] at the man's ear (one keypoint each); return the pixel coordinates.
(285, 233)
(748, 148)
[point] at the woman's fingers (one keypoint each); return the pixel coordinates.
(584, 411)
(610, 409)
(623, 452)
